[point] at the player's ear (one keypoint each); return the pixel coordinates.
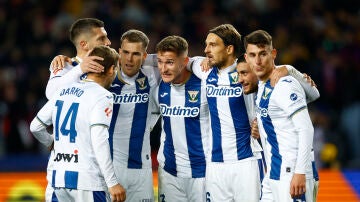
(145, 55)
(83, 44)
(273, 53)
(230, 49)
(111, 70)
(186, 60)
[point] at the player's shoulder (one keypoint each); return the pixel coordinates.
(152, 74)
(196, 60)
(60, 72)
(100, 95)
(148, 70)
(287, 81)
(287, 84)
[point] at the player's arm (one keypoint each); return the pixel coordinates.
(60, 77)
(100, 118)
(290, 97)
(198, 66)
(154, 106)
(40, 124)
(151, 60)
(304, 128)
(155, 101)
(100, 144)
(312, 93)
(150, 65)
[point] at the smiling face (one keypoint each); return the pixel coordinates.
(132, 56)
(261, 60)
(247, 78)
(172, 67)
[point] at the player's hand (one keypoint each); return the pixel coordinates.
(297, 185)
(205, 66)
(90, 65)
(118, 193)
(59, 62)
(255, 129)
(309, 80)
(277, 74)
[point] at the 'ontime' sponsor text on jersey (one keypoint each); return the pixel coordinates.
(132, 119)
(230, 111)
(185, 128)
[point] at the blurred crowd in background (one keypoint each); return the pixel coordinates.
(318, 37)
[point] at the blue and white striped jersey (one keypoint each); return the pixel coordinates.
(230, 113)
(287, 144)
(185, 132)
(133, 119)
(82, 158)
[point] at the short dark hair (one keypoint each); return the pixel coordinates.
(110, 56)
(241, 58)
(175, 44)
(230, 36)
(259, 38)
(135, 36)
(83, 25)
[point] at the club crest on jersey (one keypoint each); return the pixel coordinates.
(234, 78)
(193, 95)
(266, 93)
(141, 83)
(293, 96)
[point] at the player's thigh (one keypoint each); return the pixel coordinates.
(218, 187)
(91, 196)
(266, 193)
(281, 189)
(63, 194)
(316, 189)
(170, 188)
(140, 186)
(122, 176)
(50, 195)
(246, 181)
(195, 189)
(69, 195)
(311, 190)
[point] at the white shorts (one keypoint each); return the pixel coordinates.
(172, 188)
(64, 194)
(316, 190)
(138, 183)
(279, 190)
(50, 194)
(49, 191)
(238, 181)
